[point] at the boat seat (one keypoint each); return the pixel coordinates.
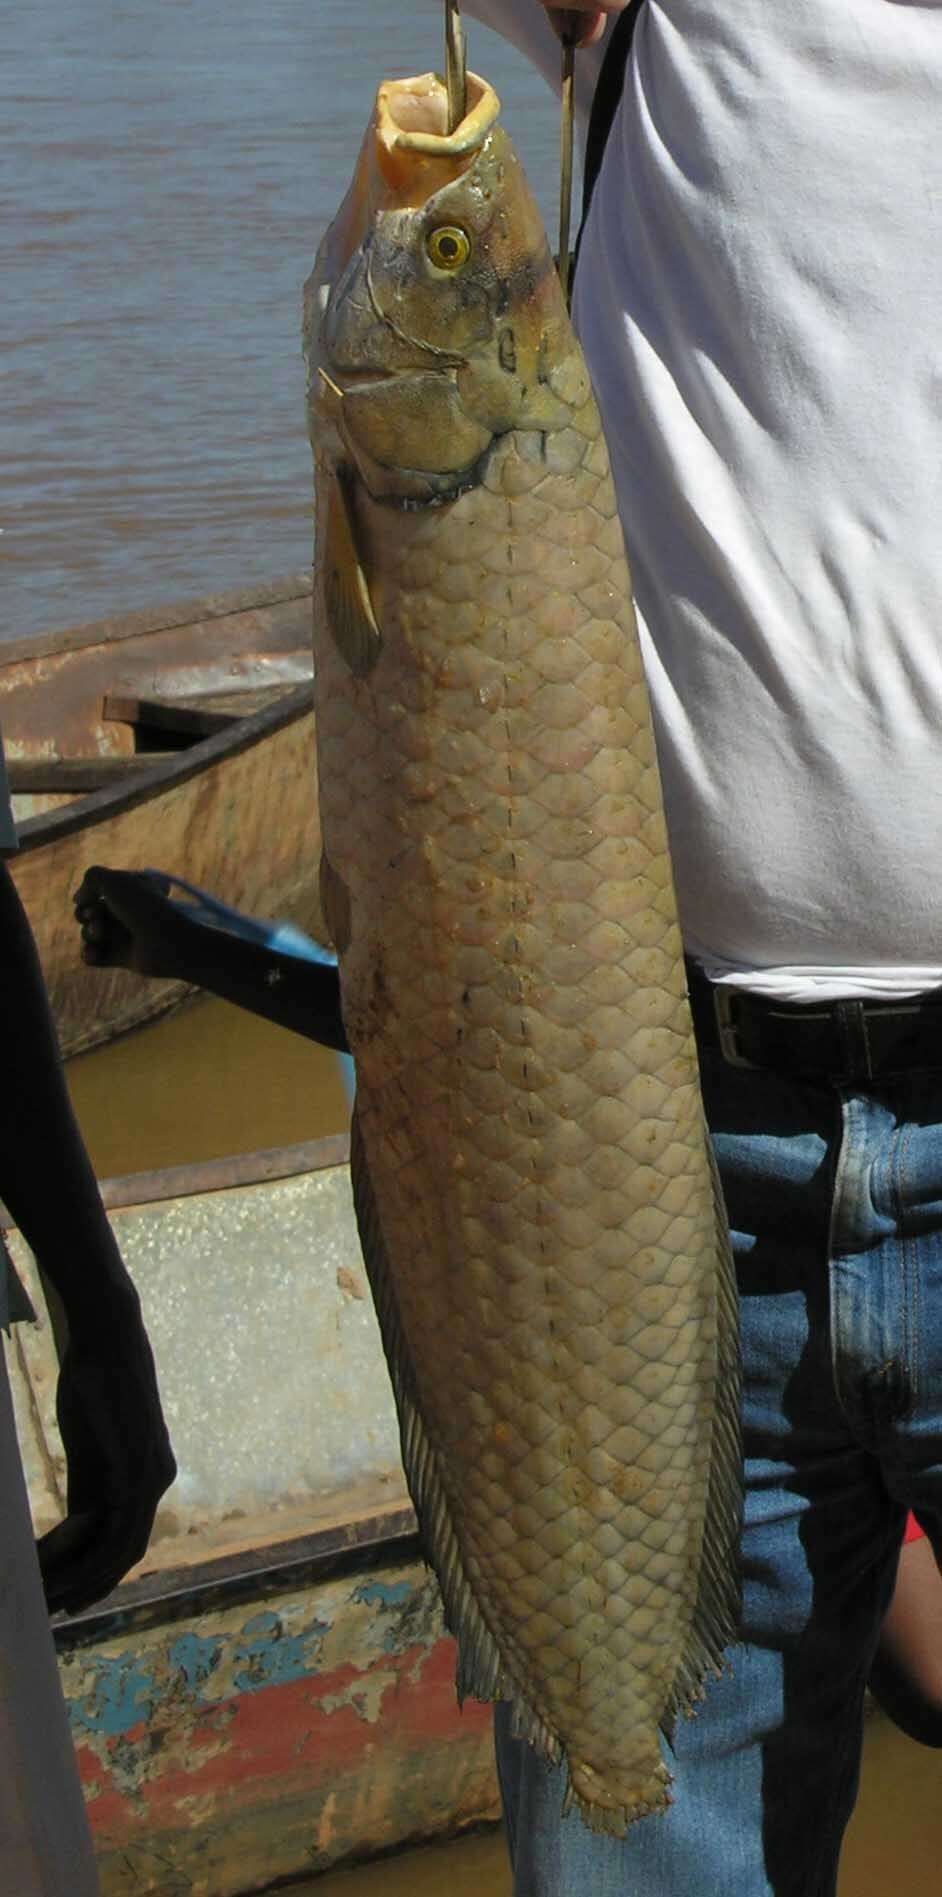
(185, 720)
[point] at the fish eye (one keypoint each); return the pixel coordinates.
(448, 247)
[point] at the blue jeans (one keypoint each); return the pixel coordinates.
(835, 1205)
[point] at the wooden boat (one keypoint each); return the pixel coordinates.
(273, 1692)
(183, 735)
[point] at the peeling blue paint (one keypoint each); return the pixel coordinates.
(384, 1594)
(122, 1695)
(272, 1658)
(196, 1656)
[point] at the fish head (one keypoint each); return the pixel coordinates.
(435, 322)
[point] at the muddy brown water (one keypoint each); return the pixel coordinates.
(200, 1084)
(210, 1081)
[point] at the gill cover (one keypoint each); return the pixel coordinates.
(434, 308)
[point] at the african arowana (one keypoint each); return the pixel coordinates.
(537, 1203)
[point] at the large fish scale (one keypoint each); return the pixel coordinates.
(534, 1185)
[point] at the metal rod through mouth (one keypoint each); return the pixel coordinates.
(456, 65)
(565, 165)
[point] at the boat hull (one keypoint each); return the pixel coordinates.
(273, 1691)
(235, 812)
(291, 1732)
(237, 815)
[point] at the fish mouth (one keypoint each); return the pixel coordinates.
(412, 116)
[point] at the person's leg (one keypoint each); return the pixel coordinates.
(906, 1675)
(765, 1776)
(903, 1396)
(45, 1843)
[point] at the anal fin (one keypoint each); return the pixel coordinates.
(483, 1671)
(716, 1618)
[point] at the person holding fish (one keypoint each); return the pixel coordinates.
(549, 1254)
(757, 297)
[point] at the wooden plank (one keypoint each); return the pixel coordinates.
(167, 714)
(75, 776)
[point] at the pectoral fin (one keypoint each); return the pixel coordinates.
(346, 589)
(335, 903)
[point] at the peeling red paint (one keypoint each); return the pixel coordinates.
(107, 1807)
(230, 1787)
(285, 1731)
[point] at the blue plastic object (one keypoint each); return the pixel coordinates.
(285, 938)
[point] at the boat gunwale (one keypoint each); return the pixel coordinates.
(98, 806)
(147, 620)
(343, 1547)
(264, 1165)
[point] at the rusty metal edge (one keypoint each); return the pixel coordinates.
(100, 805)
(219, 1175)
(146, 620)
(159, 1599)
(261, 1167)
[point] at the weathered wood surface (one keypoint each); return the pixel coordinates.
(280, 1736)
(236, 812)
(242, 823)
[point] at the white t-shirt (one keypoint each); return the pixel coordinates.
(760, 304)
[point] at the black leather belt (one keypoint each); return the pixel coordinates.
(852, 1041)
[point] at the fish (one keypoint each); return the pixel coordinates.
(537, 1201)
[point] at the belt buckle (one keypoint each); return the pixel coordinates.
(723, 1004)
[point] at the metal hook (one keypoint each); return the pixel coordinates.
(567, 124)
(456, 80)
(456, 65)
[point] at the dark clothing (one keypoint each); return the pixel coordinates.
(7, 826)
(14, 1303)
(45, 1844)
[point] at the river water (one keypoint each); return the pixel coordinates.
(166, 172)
